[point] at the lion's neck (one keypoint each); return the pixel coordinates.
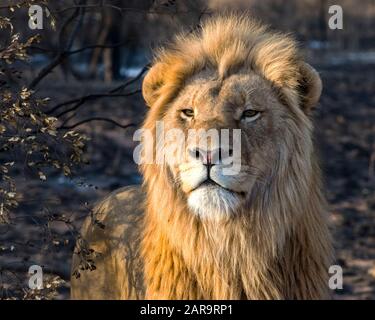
(253, 255)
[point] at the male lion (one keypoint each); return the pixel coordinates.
(191, 232)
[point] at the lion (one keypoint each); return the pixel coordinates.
(191, 232)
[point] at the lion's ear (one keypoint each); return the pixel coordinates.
(310, 87)
(152, 82)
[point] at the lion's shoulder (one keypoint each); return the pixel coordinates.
(120, 209)
(122, 199)
(113, 230)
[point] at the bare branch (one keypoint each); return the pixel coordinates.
(62, 52)
(104, 46)
(75, 30)
(130, 82)
(96, 119)
(100, 6)
(89, 47)
(112, 93)
(80, 101)
(47, 69)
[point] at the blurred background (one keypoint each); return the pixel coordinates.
(71, 102)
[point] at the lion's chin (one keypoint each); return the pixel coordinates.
(214, 202)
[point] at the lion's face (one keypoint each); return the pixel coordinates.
(232, 75)
(217, 178)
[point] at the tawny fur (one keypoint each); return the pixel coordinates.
(279, 247)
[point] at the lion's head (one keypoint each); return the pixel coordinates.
(233, 74)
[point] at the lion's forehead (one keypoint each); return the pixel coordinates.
(206, 94)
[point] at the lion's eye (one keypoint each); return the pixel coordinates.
(250, 115)
(187, 113)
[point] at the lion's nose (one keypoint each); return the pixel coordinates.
(210, 157)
